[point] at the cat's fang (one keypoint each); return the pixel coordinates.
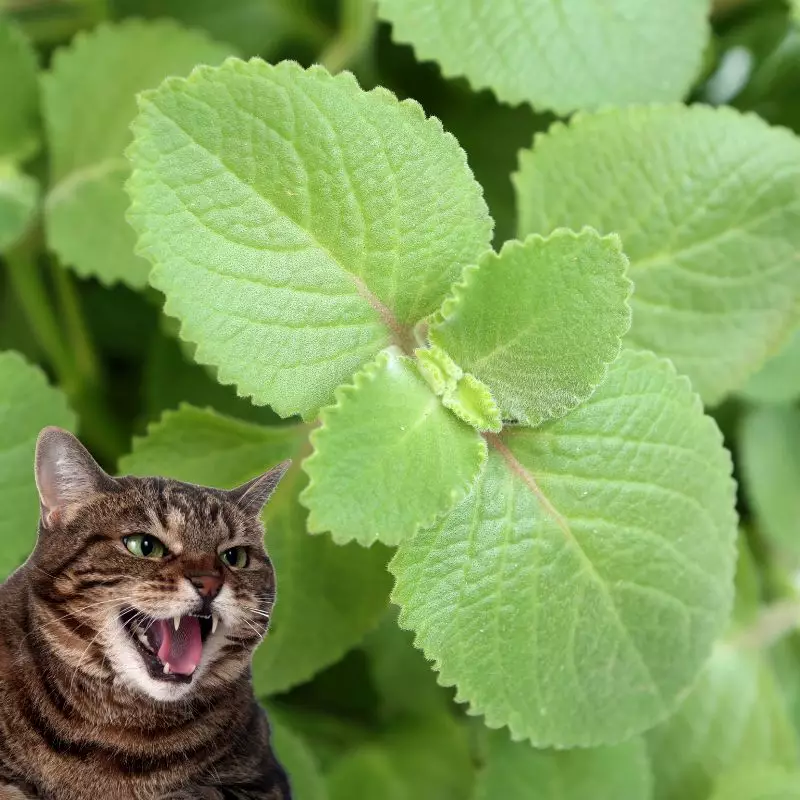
(176, 621)
(214, 622)
(166, 668)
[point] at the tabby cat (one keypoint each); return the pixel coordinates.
(126, 639)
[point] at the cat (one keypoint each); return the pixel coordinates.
(126, 639)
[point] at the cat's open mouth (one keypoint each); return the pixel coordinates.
(171, 648)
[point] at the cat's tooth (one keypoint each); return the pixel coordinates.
(214, 622)
(176, 621)
(166, 668)
(143, 639)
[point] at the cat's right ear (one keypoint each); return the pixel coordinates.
(66, 475)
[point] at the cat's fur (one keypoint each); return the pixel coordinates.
(80, 715)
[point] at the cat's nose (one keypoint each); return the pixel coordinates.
(207, 586)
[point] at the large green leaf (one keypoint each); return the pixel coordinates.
(298, 760)
(19, 108)
(576, 593)
(770, 462)
(27, 404)
(19, 194)
(89, 99)
(388, 457)
(707, 204)
(734, 715)
(560, 55)
(328, 596)
(540, 322)
(293, 254)
(778, 381)
(517, 771)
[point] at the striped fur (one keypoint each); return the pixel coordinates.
(79, 716)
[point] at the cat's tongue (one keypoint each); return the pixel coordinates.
(181, 648)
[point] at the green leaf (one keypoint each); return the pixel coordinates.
(416, 759)
(575, 594)
(734, 715)
(471, 401)
(328, 596)
(763, 782)
(557, 56)
(85, 209)
(707, 204)
(28, 404)
(778, 381)
(19, 195)
(540, 322)
(388, 457)
(293, 256)
(517, 771)
(298, 760)
(769, 444)
(19, 110)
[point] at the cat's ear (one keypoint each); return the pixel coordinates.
(252, 496)
(66, 475)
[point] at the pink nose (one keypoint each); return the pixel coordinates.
(206, 585)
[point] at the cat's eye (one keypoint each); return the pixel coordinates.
(235, 557)
(145, 546)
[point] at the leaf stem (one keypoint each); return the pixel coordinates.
(356, 28)
(773, 623)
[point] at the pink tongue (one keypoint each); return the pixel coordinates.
(181, 648)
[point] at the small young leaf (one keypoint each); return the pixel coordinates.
(770, 462)
(29, 404)
(388, 458)
(540, 322)
(560, 56)
(778, 381)
(760, 782)
(294, 255)
(733, 715)
(707, 204)
(517, 771)
(19, 194)
(328, 596)
(89, 99)
(19, 108)
(472, 401)
(603, 538)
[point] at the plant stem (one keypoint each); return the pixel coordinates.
(357, 25)
(773, 623)
(26, 279)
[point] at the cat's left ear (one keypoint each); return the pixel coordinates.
(66, 474)
(251, 497)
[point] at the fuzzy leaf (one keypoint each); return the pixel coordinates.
(778, 381)
(575, 594)
(28, 404)
(471, 401)
(517, 771)
(328, 596)
(556, 55)
(19, 194)
(707, 204)
(19, 109)
(734, 715)
(769, 443)
(540, 322)
(388, 458)
(293, 256)
(89, 99)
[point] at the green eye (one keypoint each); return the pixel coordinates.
(235, 557)
(145, 546)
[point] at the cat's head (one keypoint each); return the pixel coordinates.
(163, 586)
